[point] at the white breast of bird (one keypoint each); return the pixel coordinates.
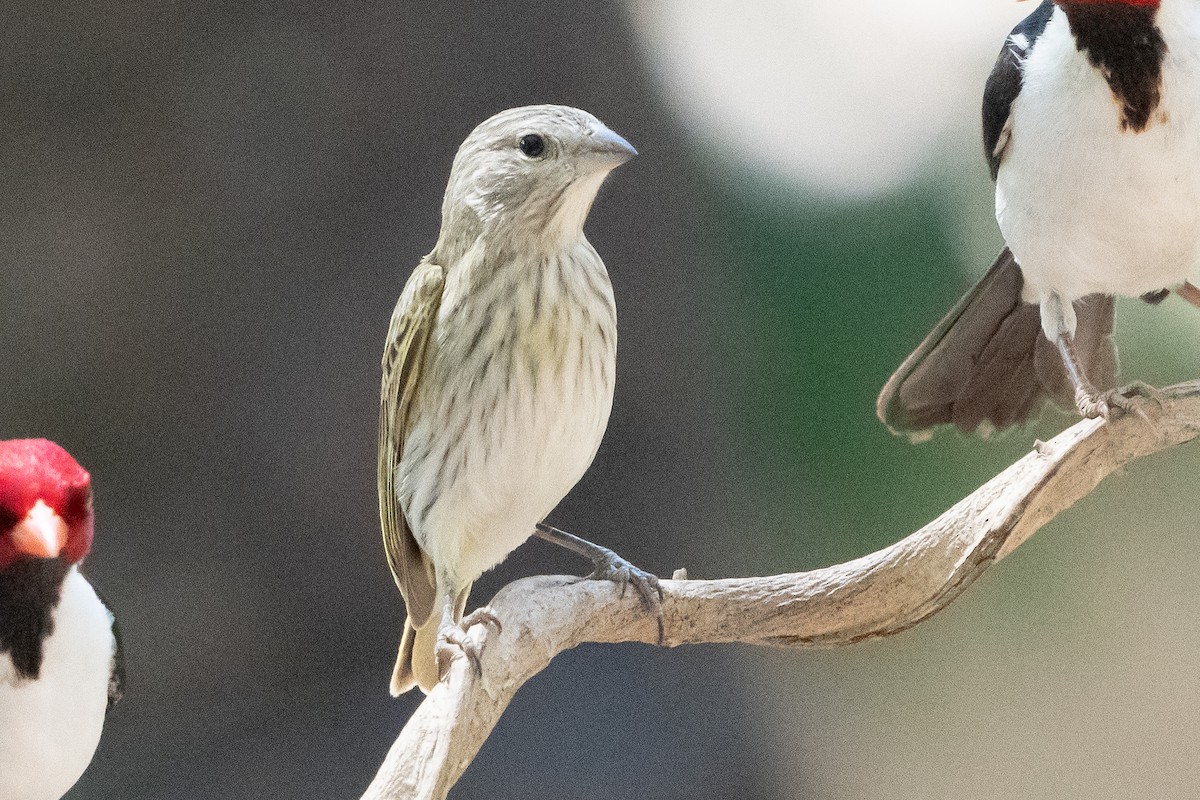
(49, 727)
(1085, 205)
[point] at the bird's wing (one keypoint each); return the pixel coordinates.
(1004, 84)
(116, 678)
(116, 681)
(975, 366)
(988, 361)
(407, 339)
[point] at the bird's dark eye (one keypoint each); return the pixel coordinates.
(77, 505)
(532, 145)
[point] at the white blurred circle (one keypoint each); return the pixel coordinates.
(846, 98)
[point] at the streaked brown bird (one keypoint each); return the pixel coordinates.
(498, 372)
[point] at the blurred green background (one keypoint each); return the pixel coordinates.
(208, 213)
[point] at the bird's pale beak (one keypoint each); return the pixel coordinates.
(611, 147)
(41, 534)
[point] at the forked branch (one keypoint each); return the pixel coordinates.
(880, 594)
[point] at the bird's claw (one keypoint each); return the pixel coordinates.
(453, 641)
(481, 616)
(611, 567)
(624, 574)
(1131, 399)
(608, 566)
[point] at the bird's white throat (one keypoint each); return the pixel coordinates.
(50, 726)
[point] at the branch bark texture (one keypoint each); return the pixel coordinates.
(880, 594)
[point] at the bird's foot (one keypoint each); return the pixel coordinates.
(611, 567)
(608, 566)
(453, 641)
(1092, 405)
(1132, 399)
(484, 615)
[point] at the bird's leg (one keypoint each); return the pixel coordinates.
(451, 641)
(1189, 292)
(611, 567)
(1090, 402)
(1059, 326)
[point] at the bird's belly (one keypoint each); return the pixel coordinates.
(1110, 233)
(49, 728)
(1089, 207)
(516, 457)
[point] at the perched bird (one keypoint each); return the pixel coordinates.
(60, 655)
(498, 372)
(1091, 125)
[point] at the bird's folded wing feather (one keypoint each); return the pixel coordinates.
(116, 679)
(988, 360)
(954, 365)
(1004, 84)
(408, 336)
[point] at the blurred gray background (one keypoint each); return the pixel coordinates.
(208, 211)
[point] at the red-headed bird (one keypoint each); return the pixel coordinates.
(1091, 126)
(60, 655)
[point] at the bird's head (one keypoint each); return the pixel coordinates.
(531, 171)
(45, 503)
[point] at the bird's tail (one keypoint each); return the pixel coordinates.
(988, 364)
(416, 663)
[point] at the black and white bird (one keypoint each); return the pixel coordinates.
(1091, 125)
(60, 655)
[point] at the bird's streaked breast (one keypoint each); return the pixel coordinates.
(522, 373)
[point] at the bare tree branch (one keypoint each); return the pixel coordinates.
(881, 594)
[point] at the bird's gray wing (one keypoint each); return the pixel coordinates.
(975, 366)
(116, 681)
(116, 677)
(1004, 84)
(988, 361)
(403, 357)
